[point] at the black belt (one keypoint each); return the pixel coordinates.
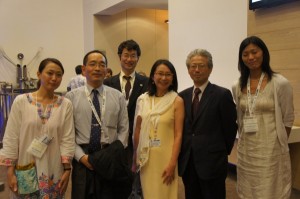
(85, 146)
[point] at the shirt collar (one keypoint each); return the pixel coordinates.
(90, 89)
(202, 87)
(132, 75)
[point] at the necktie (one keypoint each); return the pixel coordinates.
(127, 86)
(195, 103)
(94, 144)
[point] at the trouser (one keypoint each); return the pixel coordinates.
(87, 185)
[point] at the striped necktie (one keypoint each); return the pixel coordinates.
(127, 86)
(195, 102)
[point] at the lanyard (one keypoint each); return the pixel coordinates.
(252, 105)
(155, 122)
(99, 120)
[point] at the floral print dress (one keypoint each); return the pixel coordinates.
(29, 120)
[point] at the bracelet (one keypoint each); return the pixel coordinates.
(67, 169)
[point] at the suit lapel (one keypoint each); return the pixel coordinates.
(136, 90)
(115, 81)
(189, 98)
(206, 96)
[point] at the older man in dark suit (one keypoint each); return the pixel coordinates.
(129, 82)
(209, 131)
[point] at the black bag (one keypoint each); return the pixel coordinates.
(136, 192)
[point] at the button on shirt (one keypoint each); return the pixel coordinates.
(115, 118)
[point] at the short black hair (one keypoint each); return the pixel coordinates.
(85, 59)
(78, 69)
(109, 70)
(129, 45)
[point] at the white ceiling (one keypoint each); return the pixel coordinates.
(126, 4)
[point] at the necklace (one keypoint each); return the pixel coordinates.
(160, 95)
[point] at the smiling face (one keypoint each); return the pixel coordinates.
(129, 60)
(51, 76)
(199, 70)
(95, 69)
(163, 78)
(252, 57)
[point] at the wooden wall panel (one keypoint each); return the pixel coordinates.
(281, 39)
(145, 26)
(285, 59)
(273, 19)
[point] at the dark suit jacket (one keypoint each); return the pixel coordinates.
(210, 136)
(111, 164)
(140, 86)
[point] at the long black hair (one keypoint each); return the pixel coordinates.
(151, 85)
(244, 70)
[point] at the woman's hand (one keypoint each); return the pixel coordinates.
(168, 174)
(133, 167)
(64, 181)
(12, 179)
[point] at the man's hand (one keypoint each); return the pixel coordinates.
(85, 162)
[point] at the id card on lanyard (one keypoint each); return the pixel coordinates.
(250, 122)
(155, 142)
(39, 145)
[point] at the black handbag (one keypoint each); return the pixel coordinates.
(136, 192)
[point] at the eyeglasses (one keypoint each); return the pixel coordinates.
(197, 66)
(127, 56)
(161, 75)
(94, 64)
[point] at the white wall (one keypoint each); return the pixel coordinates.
(56, 26)
(64, 32)
(90, 8)
(218, 26)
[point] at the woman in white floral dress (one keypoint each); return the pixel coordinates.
(35, 118)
